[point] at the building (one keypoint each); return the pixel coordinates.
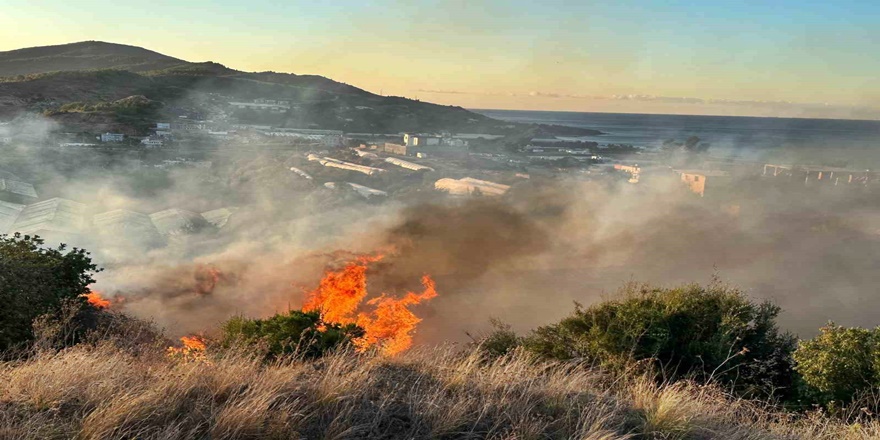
(395, 149)
(112, 137)
(122, 225)
(336, 163)
(152, 142)
(163, 126)
(15, 191)
(301, 173)
(420, 140)
(330, 138)
(178, 222)
(407, 164)
(706, 181)
(365, 192)
(219, 217)
(262, 105)
(812, 175)
(51, 216)
(9, 213)
(470, 186)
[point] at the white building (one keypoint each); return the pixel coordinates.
(420, 140)
(112, 137)
(262, 105)
(152, 142)
(364, 191)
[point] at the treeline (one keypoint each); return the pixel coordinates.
(711, 334)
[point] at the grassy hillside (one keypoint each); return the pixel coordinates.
(110, 393)
(86, 55)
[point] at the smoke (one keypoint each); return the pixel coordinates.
(523, 258)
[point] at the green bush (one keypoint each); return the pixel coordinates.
(839, 364)
(711, 333)
(296, 332)
(500, 341)
(37, 280)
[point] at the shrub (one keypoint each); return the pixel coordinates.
(711, 333)
(500, 341)
(296, 332)
(840, 363)
(36, 280)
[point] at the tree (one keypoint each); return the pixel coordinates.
(36, 280)
(711, 333)
(840, 363)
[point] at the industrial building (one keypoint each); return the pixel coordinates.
(219, 217)
(267, 105)
(301, 173)
(331, 138)
(9, 213)
(112, 137)
(53, 215)
(408, 165)
(819, 174)
(470, 186)
(128, 226)
(336, 163)
(364, 191)
(176, 221)
(16, 191)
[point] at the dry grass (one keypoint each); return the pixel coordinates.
(110, 393)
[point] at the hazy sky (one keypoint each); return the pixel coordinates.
(793, 58)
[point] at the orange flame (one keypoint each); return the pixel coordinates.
(388, 326)
(341, 292)
(392, 323)
(96, 300)
(193, 349)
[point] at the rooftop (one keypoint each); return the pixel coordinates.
(55, 214)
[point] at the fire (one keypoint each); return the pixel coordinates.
(388, 326)
(391, 324)
(341, 292)
(206, 278)
(96, 300)
(192, 349)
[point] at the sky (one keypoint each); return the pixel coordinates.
(765, 58)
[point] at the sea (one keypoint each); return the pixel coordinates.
(836, 142)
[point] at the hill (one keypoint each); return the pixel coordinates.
(86, 55)
(95, 74)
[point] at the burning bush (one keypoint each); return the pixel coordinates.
(36, 280)
(711, 333)
(299, 333)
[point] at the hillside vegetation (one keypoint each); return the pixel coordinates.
(75, 368)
